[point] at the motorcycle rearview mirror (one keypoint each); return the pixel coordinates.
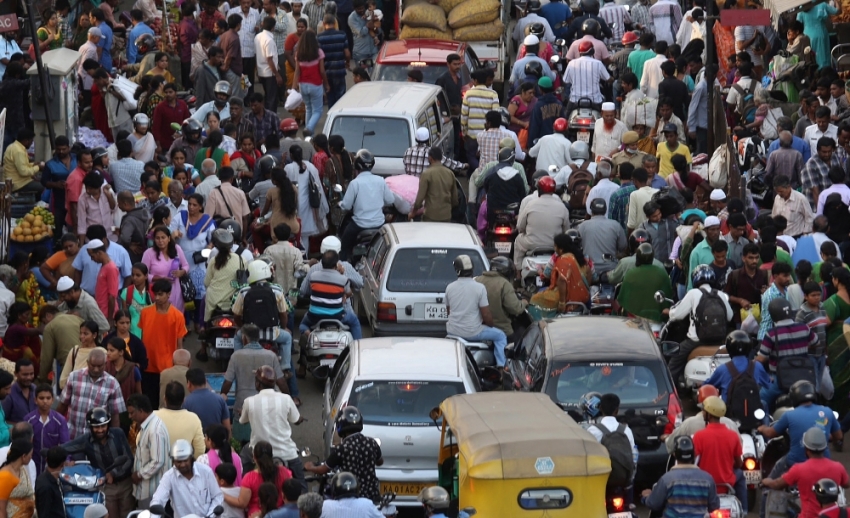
(306, 452)
(308, 139)
(668, 349)
(561, 42)
(661, 421)
(263, 149)
(435, 414)
(218, 511)
(157, 510)
(554, 60)
(759, 414)
(659, 297)
(470, 511)
(337, 187)
(835, 414)
(612, 67)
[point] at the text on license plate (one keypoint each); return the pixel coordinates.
(329, 362)
(78, 501)
(584, 136)
(752, 476)
(402, 489)
(224, 343)
(436, 312)
(503, 247)
(620, 515)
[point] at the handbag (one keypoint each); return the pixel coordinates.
(218, 219)
(314, 191)
(187, 289)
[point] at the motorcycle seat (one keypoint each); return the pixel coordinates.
(706, 350)
(367, 234)
(486, 344)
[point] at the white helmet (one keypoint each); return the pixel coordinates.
(181, 450)
(580, 150)
(258, 270)
(423, 135)
(331, 243)
(141, 119)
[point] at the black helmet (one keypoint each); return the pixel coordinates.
(779, 309)
(591, 27)
(589, 7)
(683, 449)
(644, 254)
(507, 155)
(344, 484)
(98, 416)
(703, 274)
(364, 160)
(638, 236)
(537, 29)
(222, 239)
(738, 343)
(826, 491)
(802, 392)
(233, 227)
(265, 165)
(504, 267)
(145, 43)
(98, 153)
(349, 421)
(463, 266)
(533, 6)
(534, 68)
(574, 237)
(192, 130)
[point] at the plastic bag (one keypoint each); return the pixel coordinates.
(293, 100)
(750, 325)
(827, 387)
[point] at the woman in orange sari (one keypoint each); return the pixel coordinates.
(569, 276)
(17, 490)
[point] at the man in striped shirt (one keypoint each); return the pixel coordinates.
(152, 457)
(327, 289)
(585, 74)
(685, 491)
(617, 17)
(476, 103)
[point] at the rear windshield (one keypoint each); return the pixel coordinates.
(383, 136)
(401, 403)
(427, 270)
(399, 73)
(636, 383)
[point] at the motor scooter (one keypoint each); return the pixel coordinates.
(533, 263)
(220, 334)
(502, 232)
(328, 338)
(158, 510)
(82, 486)
(582, 121)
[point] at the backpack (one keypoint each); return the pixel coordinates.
(260, 307)
(670, 200)
(742, 396)
(620, 450)
(791, 369)
(710, 318)
(578, 186)
(746, 106)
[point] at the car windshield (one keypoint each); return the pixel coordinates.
(383, 136)
(427, 270)
(399, 73)
(401, 403)
(636, 383)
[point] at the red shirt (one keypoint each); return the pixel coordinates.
(163, 116)
(206, 21)
(717, 448)
(73, 190)
(805, 474)
(107, 284)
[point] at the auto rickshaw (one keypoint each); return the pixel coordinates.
(518, 454)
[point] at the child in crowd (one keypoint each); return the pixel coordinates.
(795, 294)
(721, 265)
(49, 426)
(225, 475)
(813, 315)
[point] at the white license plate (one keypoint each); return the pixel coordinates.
(329, 363)
(503, 247)
(79, 501)
(620, 515)
(752, 476)
(584, 136)
(224, 343)
(436, 312)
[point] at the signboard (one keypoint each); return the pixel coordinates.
(752, 17)
(8, 22)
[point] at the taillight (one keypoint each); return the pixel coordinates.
(224, 322)
(386, 312)
(583, 121)
(750, 464)
(502, 231)
(674, 411)
(617, 502)
(721, 513)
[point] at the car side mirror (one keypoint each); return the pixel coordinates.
(469, 511)
(669, 349)
(435, 414)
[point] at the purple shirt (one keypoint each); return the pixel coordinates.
(46, 435)
(16, 406)
(188, 33)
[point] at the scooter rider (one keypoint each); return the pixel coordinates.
(636, 238)
(365, 198)
(540, 220)
(469, 310)
(719, 449)
(220, 103)
(190, 486)
(695, 423)
(826, 492)
(190, 139)
(416, 157)
(532, 47)
(590, 8)
(532, 7)
(146, 45)
(356, 454)
(504, 186)
(546, 50)
(685, 490)
(584, 75)
(703, 279)
(345, 490)
(604, 239)
(738, 345)
(642, 282)
(501, 296)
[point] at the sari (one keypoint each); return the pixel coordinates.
(838, 353)
(18, 345)
(218, 154)
(19, 493)
(144, 148)
(523, 112)
(567, 276)
(57, 41)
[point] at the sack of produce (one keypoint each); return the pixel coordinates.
(408, 33)
(482, 32)
(448, 5)
(425, 15)
(474, 12)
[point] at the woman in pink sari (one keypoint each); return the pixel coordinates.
(165, 260)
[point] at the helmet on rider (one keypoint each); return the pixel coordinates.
(589, 404)
(586, 48)
(145, 43)
(683, 449)
(534, 68)
(506, 116)
(644, 254)
(192, 130)
(221, 88)
(802, 392)
(288, 124)
(463, 266)
(638, 237)
(706, 391)
(591, 26)
(98, 152)
(598, 207)
(97, 416)
(826, 491)
(234, 228)
(779, 309)
(629, 38)
(714, 405)
(434, 497)
(560, 125)
(546, 185)
(574, 236)
(182, 450)
(141, 119)
(533, 6)
(504, 267)
(537, 29)
(330, 243)
(364, 160)
(507, 155)
(344, 485)
(423, 135)
(259, 270)
(579, 151)
(738, 343)
(265, 166)
(703, 274)
(222, 239)
(590, 7)
(815, 439)
(349, 421)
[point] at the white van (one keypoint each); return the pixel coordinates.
(382, 116)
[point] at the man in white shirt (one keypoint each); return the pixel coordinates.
(608, 132)
(666, 18)
(652, 75)
(604, 188)
(821, 128)
(250, 20)
(88, 50)
(794, 205)
(189, 486)
(267, 64)
(211, 181)
(609, 407)
(554, 149)
(585, 74)
(836, 176)
(638, 198)
(742, 87)
(7, 296)
(293, 17)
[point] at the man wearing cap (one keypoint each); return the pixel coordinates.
(547, 109)
(83, 304)
(608, 132)
(719, 450)
(532, 47)
(476, 103)
(554, 149)
(805, 474)
(603, 239)
(600, 51)
(415, 158)
(717, 200)
(630, 153)
(88, 50)
(289, 130)
(701, 254)
(108, 279)
(584, 75)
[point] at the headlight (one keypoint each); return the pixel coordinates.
(315, 343)
(344, 341)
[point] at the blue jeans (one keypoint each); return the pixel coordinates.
(741, 488)
(770, 394)
(284, 346)
(348, 318)
(499, 339)
(471, 146)
(313, 100)
(337, 85)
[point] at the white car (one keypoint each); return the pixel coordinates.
(395, 383)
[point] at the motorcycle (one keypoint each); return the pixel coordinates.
(323, 481)
(82, 485)
(343, 218)
(615, 503)
(328, 338)
(730, 506)
(502, 232)
(582, 121)
(533, 263)
(158, 510)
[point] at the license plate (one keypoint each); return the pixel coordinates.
(752, 476)
(224, 343)
(329, 363)
(620, 515)
(503, 247)
(78, 501)
(436, 312)
(403, 489)
(584, 136)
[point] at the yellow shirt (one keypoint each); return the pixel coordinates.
(17, 166)
(665, 165)
(183, 424)
(169, 78)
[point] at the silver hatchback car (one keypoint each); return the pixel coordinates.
(395, 382)
(405, 273)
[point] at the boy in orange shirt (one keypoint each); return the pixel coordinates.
(163, 328)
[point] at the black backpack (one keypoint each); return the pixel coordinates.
(260, 307)
(620, 450)
(710, 318)
(742, 396)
